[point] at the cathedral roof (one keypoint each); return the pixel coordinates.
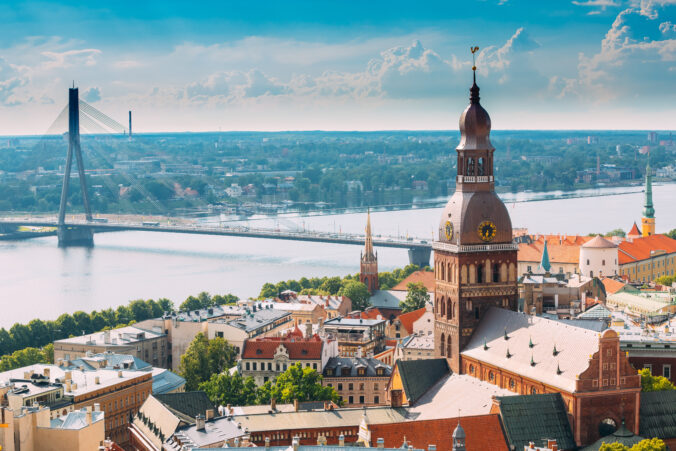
(574, 346)
(634, 231)
(475, 124)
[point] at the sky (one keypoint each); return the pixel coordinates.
(340, 64)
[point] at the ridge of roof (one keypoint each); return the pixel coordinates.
(407, 319)
(418, 376)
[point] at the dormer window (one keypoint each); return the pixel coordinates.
(361, 371)
(345, 371)
(380, 371)
(259, 351)
(329, 371)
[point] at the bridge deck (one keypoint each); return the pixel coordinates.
(319, 237)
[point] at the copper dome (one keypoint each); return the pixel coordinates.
(467, 210)
(475, 124)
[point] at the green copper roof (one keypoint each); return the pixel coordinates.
(658, 414)
(418, 376)
(535, 417)
(544, 262)
(648, 210)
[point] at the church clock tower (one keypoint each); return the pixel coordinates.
(474, 257)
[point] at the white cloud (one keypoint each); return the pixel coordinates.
(92, 95)
(85, 57)
(10, 80)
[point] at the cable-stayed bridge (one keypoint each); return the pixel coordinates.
(79, 230)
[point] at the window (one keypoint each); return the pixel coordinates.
(350, 399)
(666, 371)
(511, 383)
(603, 263)
(376, 387)
(314, 366)
(350, 387)
(361, 387)
(533, 391)
(219, 334)
(269, 366)
(361, 400)
(248, 366)
(255, 366)
(376, 399)
(340, 387)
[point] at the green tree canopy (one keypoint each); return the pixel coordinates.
(203, 358)
(233, 389)
(303, 384)
(416, 297)
(654, 383)
(649, 444)
(616, 232)
(358, 294)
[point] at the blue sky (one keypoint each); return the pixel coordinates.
(341, 65)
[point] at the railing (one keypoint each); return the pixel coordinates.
(438, 245)
(474, 179)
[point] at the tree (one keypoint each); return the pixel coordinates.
(654, 383)
(7, 344)
(416, 297)
(203, 358)
(227, 299)
(39, 332)
(666, 280)
(358, 294)
(83, 324)
(140, 310)
(649, 444)
(332, 285)
(98, 321)
(268, 291)
(303, 384)
(616, 232)
(672, 234)
(233, 389)
(191, 303)
(165, 304)
(66, 324)
(21, 335)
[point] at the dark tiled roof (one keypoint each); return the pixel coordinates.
(483, 433)
(622, 435)
(417, 376)
(298, 349)
(187, 404)
(339, 363)
(532, 418)
(658, 414)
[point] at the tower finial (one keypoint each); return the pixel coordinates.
(474, 90)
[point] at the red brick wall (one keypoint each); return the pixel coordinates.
(657, 364)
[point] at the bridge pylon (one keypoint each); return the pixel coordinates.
(419, 256)
(70, 235)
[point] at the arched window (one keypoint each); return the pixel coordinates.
(442, 343)
(448, 344)
(512, 272)
(503, 272)
(472, 273)
(496, 272)
(470, 166)
(448, 273)
(482, 166)
(449, 310)
(480, 274)
(443, 307)
(463, 274)
(443, 272)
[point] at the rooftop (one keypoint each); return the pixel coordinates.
(387, 299)
(123, 336)
(643, 248)
(255, 320)
(417, 376)
(329, 302)
(524, 344)
(598, 242)
(424, 342)
(407, 319)
(639, 302)
(165, 381)
(484, 432)
(456, 395)
(205, 314)
(424, 277)
(82, 381)
(297, 349)
(215, 431)
(353, 322)
(186, 405)
(75, 420)
(370, 364)
(529, 418)
(108, 360)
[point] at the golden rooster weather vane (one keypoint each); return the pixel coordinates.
(474, 50)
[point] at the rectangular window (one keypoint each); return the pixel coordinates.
(248, 367)
(666, 371)
(350, 399)
(340, 387)
(254, 366)
(361, 400)
(649, 367)
(350, 386)
(219, 334)
(376, 399)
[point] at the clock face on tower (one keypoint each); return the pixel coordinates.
(486, 231)
(448, 230)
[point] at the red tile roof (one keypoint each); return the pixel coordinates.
(561, 249)
(612, 285)
(264, 348)
(634, 231)
(639, 248)
(407, 319)
(483, 433)
(426, 277)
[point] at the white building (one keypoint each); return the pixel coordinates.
(598, 258)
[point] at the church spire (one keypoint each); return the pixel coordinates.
(648, 219)
(544, 261)
(368, 245)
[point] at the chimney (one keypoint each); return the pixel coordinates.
(68, 375)
(67, 388)
(295, 443)
(119, 374)
(199, 422)
(97, 380)
(341, 440)
(296, 405)
(89, 416)
(106, 337)
(273, 404)
(209, 414)
(236, 442)
(396, 398)
(267, 443)
(380, 442)
(551, 444)
(46, 372)
(26, 374)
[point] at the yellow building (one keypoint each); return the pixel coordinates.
(646, 258)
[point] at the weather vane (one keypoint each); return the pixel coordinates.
(474, 50)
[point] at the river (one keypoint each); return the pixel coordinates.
(37, 279)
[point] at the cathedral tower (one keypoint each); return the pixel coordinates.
(368, 269)
(474, 258)
(648, 219)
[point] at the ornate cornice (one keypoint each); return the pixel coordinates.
(461, 248)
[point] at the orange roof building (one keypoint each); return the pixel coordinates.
(564, 252)
(425, 277)
(646, 258)
(483, 432)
